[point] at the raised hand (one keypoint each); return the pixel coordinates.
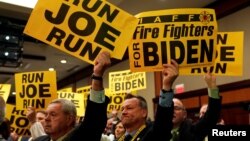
(169, 74)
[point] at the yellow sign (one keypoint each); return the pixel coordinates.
(5, 91)
(65, 90)
(36, 89)
(76, 98)
(18, 121)
(82, 28)
(116, 100)
(185, 35)
(229, 60)
(85, 91)
(125, 81)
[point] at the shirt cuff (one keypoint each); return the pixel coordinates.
(166, 99)
(97, 96)
(213, 93)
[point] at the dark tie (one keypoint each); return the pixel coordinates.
(128, 137)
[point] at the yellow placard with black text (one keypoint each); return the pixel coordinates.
(36, 89)
(126, 81)
(85, 91)
(82, 28)
(75, 98)
(18, 121)
(229, 59)
(116, 100)
(186, 35)
(66, 90)
(5, 91)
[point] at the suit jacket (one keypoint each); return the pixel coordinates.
(160, 130)
(189, 131)
(92, 127)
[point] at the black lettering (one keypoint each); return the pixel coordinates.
(136, 55)
(126, 86)
(221, 68)
(90, 26)
(104, 34)
(118, 100)
(195, 70)
(110, 16)
(155, 32)
(76, 103)
(164, 56)
(207, 50)
(75, 47)
(44, 90)
(22, 94)
(221, 39)
(140, 82)
(151, 58)
(22, 122)
(173, 46)
(30, 90)
(89, 49)
(191, 51)
(210, 30)
(85, 4)
(71, 95)
(37, 103)
(117, 86)
(111, 107)
(56, 33)
(34, 77)
(217, 68)
(60, 15)
(17, 112)
(226, 52)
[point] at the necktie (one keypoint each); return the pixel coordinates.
(128, 137)
(175, 135)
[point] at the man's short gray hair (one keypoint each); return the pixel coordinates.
(68, 107)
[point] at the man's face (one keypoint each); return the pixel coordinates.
(179, 112)
(132, 113)
(57, 123)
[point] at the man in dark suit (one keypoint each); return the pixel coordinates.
(61, 114)
(184, 129)
(134, 112)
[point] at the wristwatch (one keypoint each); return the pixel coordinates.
(167, 91)
(96, 77)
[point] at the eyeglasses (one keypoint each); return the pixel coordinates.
(178, 108)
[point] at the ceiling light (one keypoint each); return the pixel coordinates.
(63, 61)
(7, 37)
(51, 69)
(13, 93)
(27, 3)
(6, 53)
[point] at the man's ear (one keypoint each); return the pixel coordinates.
(145, 113)
(185, 114)
(70, 119)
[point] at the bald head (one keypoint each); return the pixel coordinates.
(180, 113)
